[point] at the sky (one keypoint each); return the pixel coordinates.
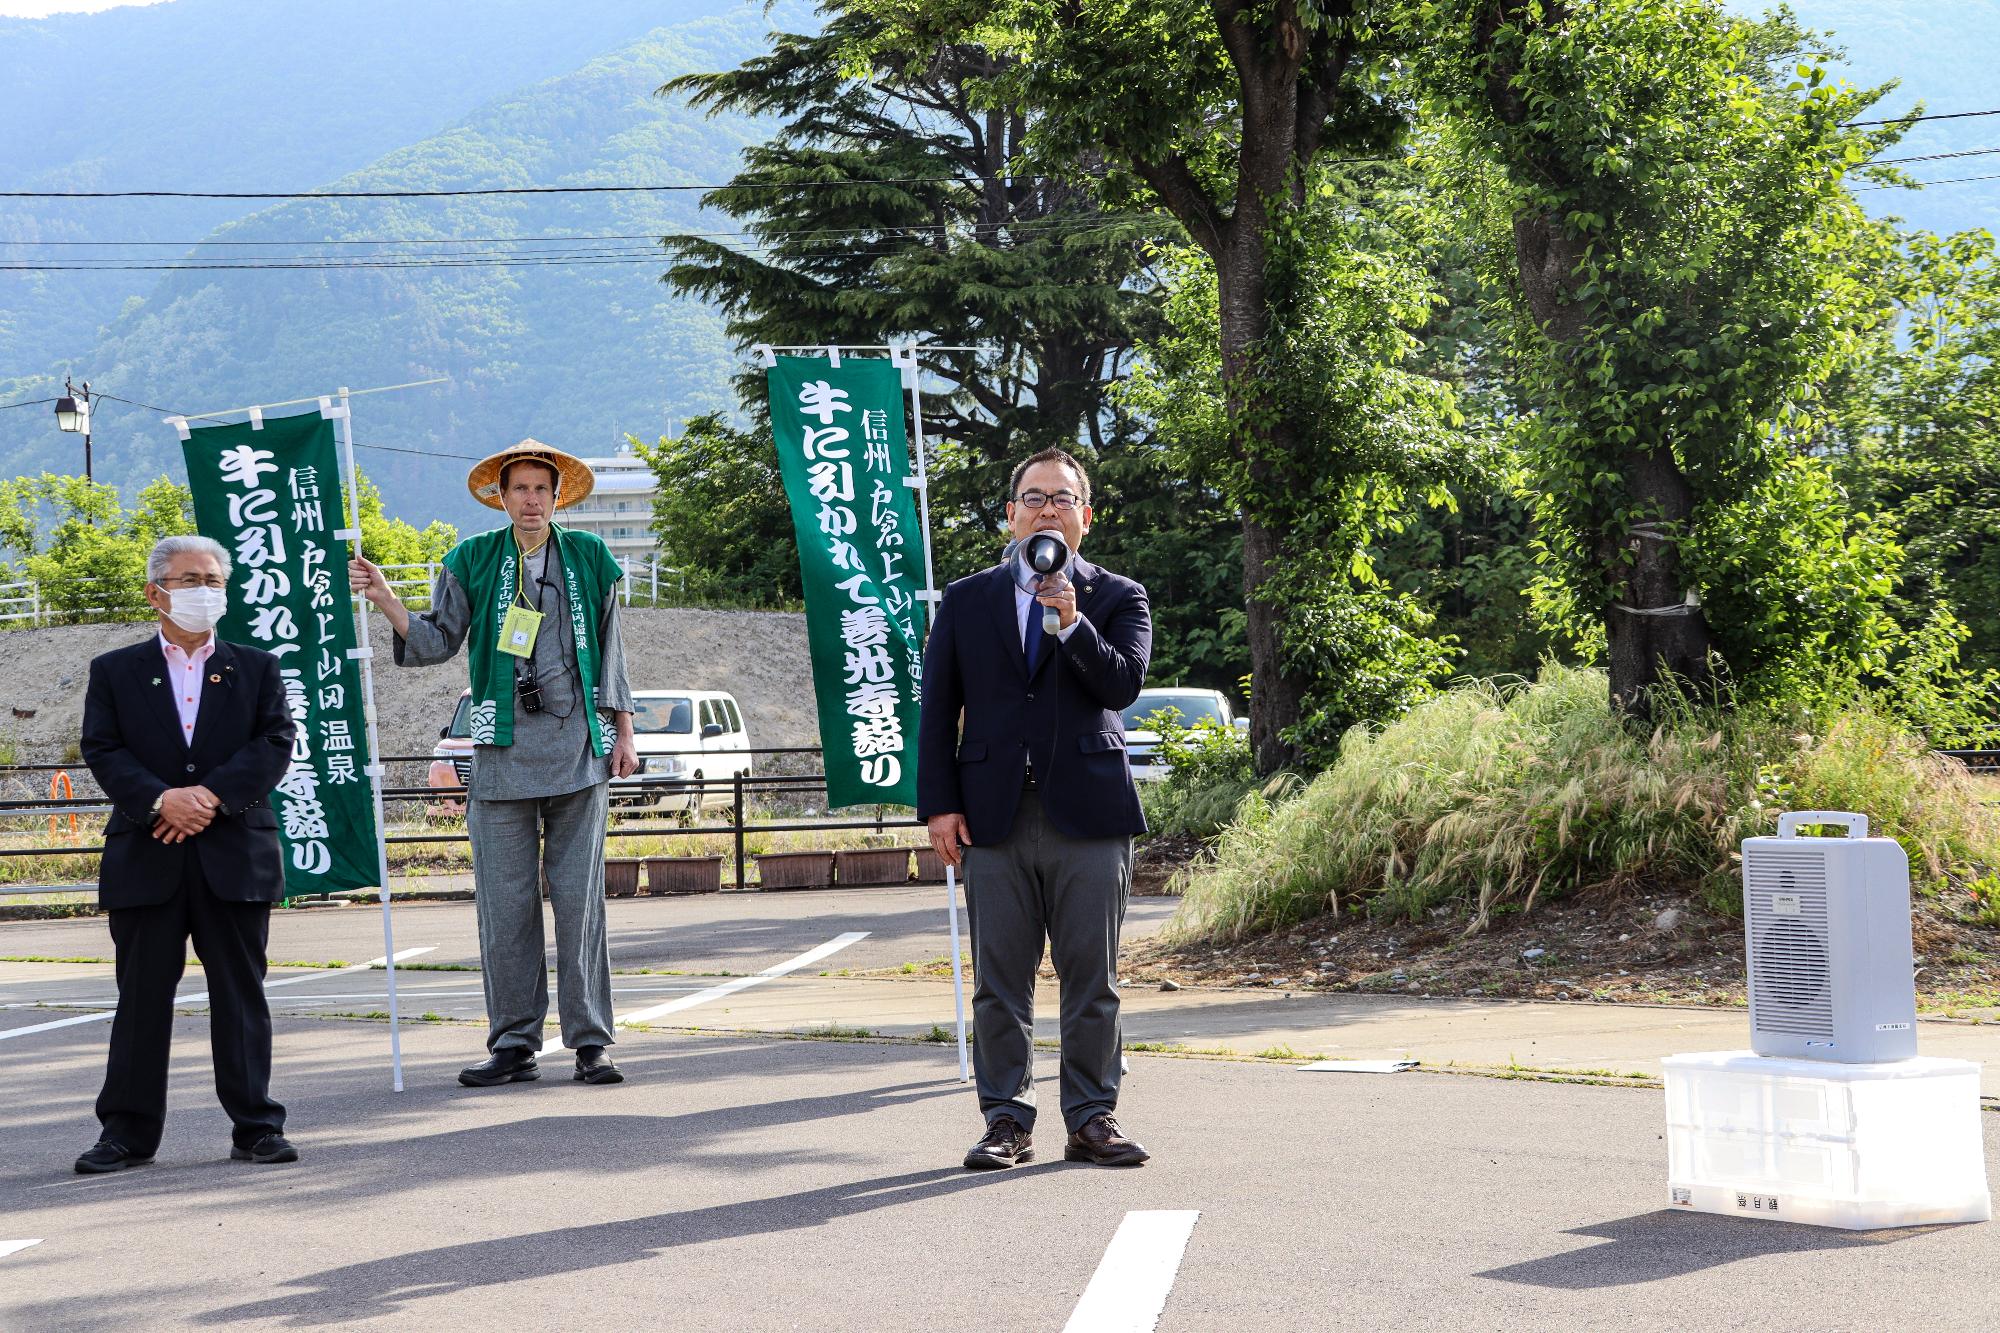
(36, 9)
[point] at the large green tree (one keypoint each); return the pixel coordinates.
(889, 206)
(1916, 433)
(1661, 189)
(1217, 111)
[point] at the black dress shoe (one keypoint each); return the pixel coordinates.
(109, 1155)
(509, 1064)
(1102, 1143)
(594, 1066)
(1005, 1144)
(270, 1148)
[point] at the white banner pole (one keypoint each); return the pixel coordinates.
(365, 654)
(957, 966)
(906, 357)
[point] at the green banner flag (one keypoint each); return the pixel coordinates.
(272, 496)
(846, 466)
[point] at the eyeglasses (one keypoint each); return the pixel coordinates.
(194, 581)
(1064, 500)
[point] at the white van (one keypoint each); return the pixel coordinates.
(682, 736)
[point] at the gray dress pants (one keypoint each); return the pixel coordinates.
(511, 841)
(1041, 884)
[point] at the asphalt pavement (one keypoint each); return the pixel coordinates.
(770, 1184)
(745, 1178)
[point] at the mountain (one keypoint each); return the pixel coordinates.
(243, 95)
(575, 354)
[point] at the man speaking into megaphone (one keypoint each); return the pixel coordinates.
(1022, 778)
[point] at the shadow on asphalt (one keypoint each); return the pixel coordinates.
(382, 1287)
(1657, 1246)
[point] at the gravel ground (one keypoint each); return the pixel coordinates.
(758, 656)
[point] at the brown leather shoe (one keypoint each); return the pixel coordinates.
(1102, 1143)
(1005, 1144)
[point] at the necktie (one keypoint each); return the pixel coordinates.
(1036, 640)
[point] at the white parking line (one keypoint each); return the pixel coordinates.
(8, 1247)
(735, 984)
(180, 1000)
(1129, 1289)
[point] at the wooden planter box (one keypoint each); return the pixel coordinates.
(674, 876)
(930, 866)
(795, 870)
(873, 865)
(621, 876)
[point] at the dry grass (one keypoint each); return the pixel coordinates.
(1489, 795)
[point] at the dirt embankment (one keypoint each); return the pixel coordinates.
(1630, 946)
(758, 656)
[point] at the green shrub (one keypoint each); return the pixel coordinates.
(1209, 772)
(1490, 796)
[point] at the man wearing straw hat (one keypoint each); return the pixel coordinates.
(535, 605)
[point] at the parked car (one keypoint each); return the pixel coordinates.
(684, 736)
(1186, 706)
(451, 759)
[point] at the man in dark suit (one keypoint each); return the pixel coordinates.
(1035, 798)
(187, 735)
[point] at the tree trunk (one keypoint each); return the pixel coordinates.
(1653, 635)
(1277, 698)
(1672, 641)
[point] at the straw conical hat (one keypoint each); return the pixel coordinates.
(576, 479)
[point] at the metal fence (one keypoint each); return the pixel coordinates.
(67, 808)
(642, 585)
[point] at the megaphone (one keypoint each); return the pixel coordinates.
(1034, 556)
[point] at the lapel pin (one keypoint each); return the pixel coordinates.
(215, 679)
(156, 680)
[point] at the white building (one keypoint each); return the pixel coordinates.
(620, 507)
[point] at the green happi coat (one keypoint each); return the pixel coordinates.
(488, 568)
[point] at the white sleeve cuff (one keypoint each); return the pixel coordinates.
(1062, 635)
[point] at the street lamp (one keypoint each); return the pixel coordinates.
(73, 416)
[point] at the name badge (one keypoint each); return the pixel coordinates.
(518, 631)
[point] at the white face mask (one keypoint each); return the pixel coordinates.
(196, 610)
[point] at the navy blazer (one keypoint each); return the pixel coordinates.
(1067, 716)
(242, 745)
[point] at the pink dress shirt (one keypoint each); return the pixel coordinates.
(184, 674)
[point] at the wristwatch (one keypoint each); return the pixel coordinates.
(158, 802)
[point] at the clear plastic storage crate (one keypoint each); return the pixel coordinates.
(1845, 1145)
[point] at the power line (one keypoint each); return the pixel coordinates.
(163, 411)
(1954, 180)
(31, 402)
(1911, 120)
(169, 412)
(771, 242)
(1930, 157)
(959, 178)
(504, 189)
(551, 259)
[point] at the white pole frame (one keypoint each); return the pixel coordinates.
(363, 652)
(904, 357)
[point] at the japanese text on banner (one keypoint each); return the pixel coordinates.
(272, 496)
(844, 458)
